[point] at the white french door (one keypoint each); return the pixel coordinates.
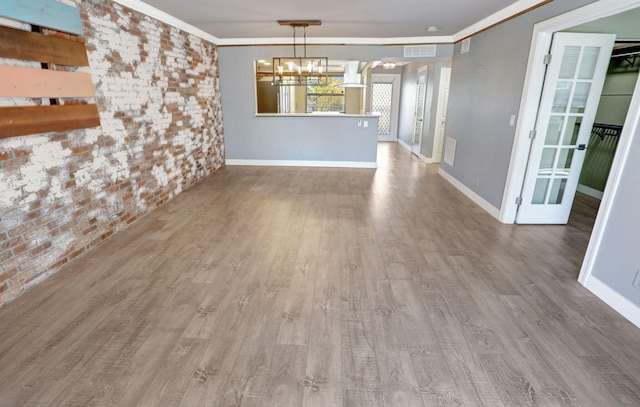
(568, 105)
(421, 96)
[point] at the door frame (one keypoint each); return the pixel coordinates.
(440, 107)
(396, 80)
(540, 45)
(426, 119)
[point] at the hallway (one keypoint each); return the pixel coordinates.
(287, 286)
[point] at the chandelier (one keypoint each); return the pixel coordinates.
(300, 70)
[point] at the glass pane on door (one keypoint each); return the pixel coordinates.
(572, 131)
(588, 63)
(557, 191)
(417, 132)
(381, 100)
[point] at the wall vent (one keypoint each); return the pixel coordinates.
(450, 151)
(465, 46)
(417, 51)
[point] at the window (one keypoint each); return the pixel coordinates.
(326, 98)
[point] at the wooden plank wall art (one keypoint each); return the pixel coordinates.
(55, 44)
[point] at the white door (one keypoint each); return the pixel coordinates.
(421, 96)
(441, 113)
(568, 105)
(385, 101)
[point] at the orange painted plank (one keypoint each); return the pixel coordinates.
(32, 46)
(19, 82)
(24, 120)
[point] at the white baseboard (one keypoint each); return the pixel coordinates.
(480, 201)
(405, 145)
(590, 191)
(426, 160)
(613, 299)
(302, 163)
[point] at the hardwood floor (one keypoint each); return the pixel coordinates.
(323, 287)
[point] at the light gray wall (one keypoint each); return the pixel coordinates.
(274, 138)
(309, 138)
(617, 261)
(616, 93)
(486, 88)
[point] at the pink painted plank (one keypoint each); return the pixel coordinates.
(16, 81)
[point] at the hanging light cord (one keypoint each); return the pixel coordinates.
(305, 41)
(294, 41)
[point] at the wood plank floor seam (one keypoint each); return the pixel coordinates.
(323, 287)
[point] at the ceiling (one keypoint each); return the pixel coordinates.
(252, 19)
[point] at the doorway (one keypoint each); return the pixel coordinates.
(441, 112)
(420, 117)
(622, 76)
(385, 100)
(541, 42)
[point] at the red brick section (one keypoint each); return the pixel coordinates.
(61, 194)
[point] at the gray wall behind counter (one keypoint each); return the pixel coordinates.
(248, 136)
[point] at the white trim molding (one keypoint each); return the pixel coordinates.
(516, 8)
(404, 144)
(613, 299)
(302, 163)
(477, 199)
(425, 159)
(444, 39)
(160, 15)
(592, 192)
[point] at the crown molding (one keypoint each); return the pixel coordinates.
(160, 15)
(514, 10)
(337, 41)
(511, 11)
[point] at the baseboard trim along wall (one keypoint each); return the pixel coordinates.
(426, 159)
(481, 202)
(613, 299)
(302, 163)
(405, 145)
(594, 193)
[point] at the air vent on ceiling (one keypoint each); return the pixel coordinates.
(465, 46)
(417, 51)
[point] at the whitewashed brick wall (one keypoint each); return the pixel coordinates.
(61, 194)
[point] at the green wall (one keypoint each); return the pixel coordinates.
(614, 104)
